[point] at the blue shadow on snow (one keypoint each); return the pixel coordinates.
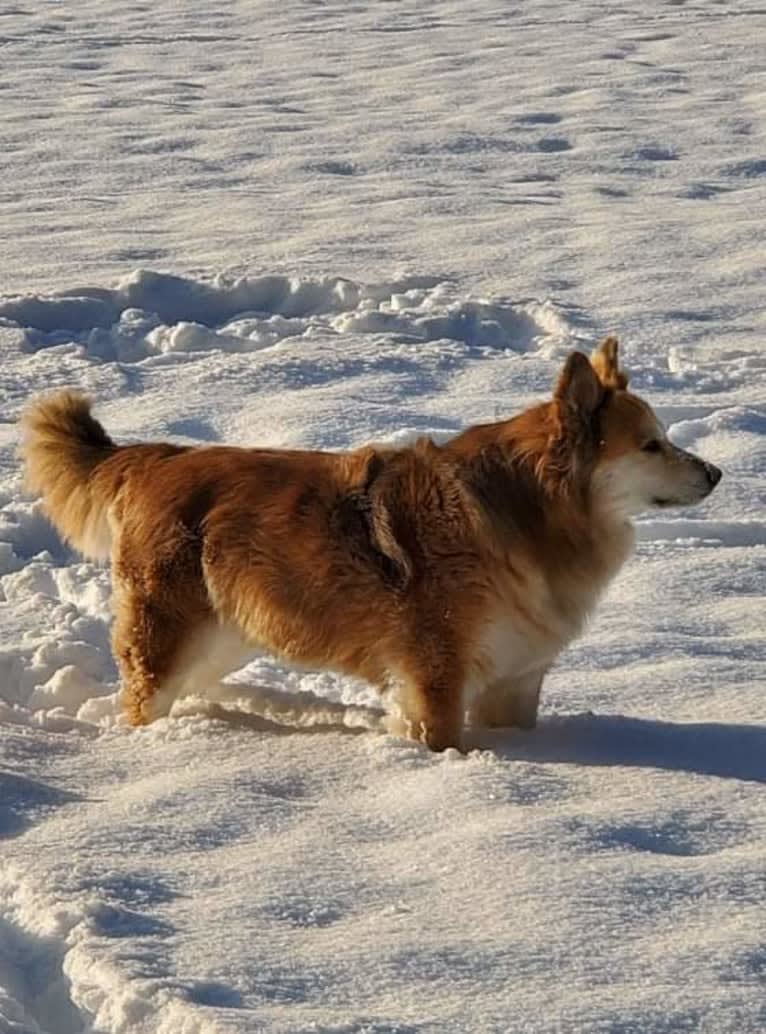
(23, 799)
(708, 748)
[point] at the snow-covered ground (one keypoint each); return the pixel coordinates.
(317, 223)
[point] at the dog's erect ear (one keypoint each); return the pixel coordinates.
(607, 365)
(578, 386)
(573, 442)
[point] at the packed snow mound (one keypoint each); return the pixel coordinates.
(151, 313)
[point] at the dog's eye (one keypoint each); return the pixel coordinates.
(653, 446)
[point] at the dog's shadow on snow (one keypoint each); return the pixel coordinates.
(708, 748)
(22, 799)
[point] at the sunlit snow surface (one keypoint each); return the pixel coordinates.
(315, 224)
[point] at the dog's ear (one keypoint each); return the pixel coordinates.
(573, 442)
(607, 365)
(578, 388)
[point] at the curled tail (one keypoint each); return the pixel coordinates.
(63, 447)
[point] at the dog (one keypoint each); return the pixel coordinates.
(450, 576)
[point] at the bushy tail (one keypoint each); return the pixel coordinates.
(63, 447)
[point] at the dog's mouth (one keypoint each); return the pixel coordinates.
(663, 502)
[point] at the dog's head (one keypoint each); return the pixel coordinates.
(612, 438)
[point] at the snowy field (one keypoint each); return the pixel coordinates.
(314, 224)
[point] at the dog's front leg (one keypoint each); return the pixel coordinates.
(431, 711)
(509, 702)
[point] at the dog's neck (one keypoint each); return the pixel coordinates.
(550, 513)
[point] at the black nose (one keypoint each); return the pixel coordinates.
(713, 474)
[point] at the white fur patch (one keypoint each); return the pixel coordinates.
(509, 648)
(211, 653)
(638, 482)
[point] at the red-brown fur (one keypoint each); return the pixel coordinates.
(451, 575)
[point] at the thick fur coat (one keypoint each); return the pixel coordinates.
(449, 576)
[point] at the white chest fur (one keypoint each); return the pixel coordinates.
(511, 646)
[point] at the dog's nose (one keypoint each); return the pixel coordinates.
(713, 474)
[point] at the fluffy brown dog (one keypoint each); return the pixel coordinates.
(450, 576)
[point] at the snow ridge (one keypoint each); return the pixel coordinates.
(52, 980)
(152, 313)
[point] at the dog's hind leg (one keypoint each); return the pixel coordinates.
(164, 655)
(147, 641)
(509, 702)
(167, 644)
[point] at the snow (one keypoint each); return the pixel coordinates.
(317, 224)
